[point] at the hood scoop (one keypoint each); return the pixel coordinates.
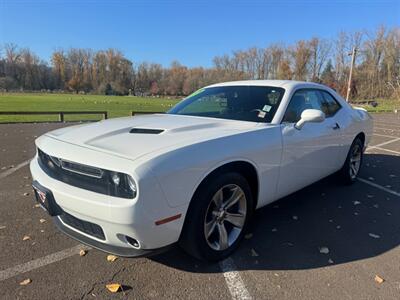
(146, 131)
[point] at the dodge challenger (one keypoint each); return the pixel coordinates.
(194, 175)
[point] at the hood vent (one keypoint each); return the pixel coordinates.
(146, 131)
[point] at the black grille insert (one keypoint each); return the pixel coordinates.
(81, 169)
(83, 226)
(84, 176)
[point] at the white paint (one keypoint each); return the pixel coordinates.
(387, 124)
(384, 135)
(41, 262)
(233, 280)
(381, 128)
(170, 166)
(383, 149)
(379, 187)
(385, 143)
(12, 170)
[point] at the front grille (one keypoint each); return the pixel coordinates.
(81, 169)
(83, 226)
(84, 176)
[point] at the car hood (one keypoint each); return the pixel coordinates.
(133, 137)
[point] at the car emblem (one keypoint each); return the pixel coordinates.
(42, 196)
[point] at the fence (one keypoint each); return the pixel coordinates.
(61, 114)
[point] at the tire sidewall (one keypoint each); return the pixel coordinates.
(193, 239)
(346, 168)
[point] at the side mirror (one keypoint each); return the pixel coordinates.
(310, 115)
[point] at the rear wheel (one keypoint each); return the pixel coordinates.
(218, 217)
(352, 166)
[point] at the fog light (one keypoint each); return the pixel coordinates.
(133, 242)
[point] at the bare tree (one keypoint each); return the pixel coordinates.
(376, 71)
(320, 50)
(301, 54)
(58, 61)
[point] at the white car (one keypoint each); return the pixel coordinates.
(134, 186)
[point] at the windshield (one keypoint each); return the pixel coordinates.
(244, 103)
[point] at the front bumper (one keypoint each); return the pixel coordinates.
(116, 250)
(119, 219)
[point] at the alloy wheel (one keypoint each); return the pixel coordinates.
(225, 217)
(355, 161)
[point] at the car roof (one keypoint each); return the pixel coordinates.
(276, 83)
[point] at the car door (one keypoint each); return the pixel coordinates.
(345, 135)
(309, 153)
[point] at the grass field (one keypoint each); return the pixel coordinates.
(383, 105)
(116, 106)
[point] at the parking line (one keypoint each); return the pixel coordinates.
(384, 135)
(233, 280)
(383, 149)
(379, 187)
(16, 168)
(381, 128)
(385, 143)
(387, 124)
(41, 262)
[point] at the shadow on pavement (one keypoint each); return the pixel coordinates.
(354, 222)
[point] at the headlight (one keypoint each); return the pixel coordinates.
(116, 178)
(122, 185)
(132, 184)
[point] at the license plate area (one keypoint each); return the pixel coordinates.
(46, 199)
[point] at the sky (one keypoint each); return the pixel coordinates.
(192, 31)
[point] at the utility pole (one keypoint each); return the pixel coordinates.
(353, 59)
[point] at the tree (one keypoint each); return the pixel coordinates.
(284, 70)
(58, 61)
(7, 83)
(301, 54)
(319, 52)
(328, 75)
(176, 78)
(376, 72)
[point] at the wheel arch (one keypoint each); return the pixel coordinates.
(189, 239)
(361, 136)
(245, 168)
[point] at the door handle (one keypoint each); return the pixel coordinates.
(336, 126)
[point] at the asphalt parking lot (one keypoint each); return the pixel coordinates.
(326, 241)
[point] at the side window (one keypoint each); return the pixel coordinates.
(331, 106)
(302, 100)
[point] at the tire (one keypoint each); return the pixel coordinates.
(207, 215)
(352, 166)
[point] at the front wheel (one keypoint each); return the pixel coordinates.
(218, 217)
(352, 165)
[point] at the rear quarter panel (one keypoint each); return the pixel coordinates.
(364, 123)
(353, 121)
